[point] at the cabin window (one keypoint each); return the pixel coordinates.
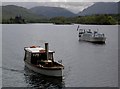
(50, 56)
(27, 54)
(43, 56)
(35, 56)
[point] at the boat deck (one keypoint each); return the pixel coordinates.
(55, 65)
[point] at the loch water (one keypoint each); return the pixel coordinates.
(86, 64)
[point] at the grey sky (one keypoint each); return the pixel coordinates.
(72, 6)
(76, 6)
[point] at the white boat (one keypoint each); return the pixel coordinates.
(88, 35)
(41, 60)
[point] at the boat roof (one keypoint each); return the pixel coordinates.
(36, 49)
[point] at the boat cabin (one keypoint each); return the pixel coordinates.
(37, 55)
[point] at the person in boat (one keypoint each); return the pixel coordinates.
(89, 31)
(77, 27)
(95, 33)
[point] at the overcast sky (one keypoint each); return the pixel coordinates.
(72, 5)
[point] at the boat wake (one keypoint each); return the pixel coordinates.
(10, 69)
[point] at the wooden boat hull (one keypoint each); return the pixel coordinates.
(44, 71)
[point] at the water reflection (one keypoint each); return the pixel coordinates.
(41, 81)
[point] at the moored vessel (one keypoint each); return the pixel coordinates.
(41, 60)
(91, 36)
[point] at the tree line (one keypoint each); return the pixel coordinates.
(104, 19)
(16, 19)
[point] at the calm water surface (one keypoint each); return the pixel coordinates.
(86, 64)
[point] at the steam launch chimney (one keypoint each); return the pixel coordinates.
(47, 50)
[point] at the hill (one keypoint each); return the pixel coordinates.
(16, 14)
(10, 11)
(101, 8)
(52, 11)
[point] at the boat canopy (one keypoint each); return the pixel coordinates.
(36, 49)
